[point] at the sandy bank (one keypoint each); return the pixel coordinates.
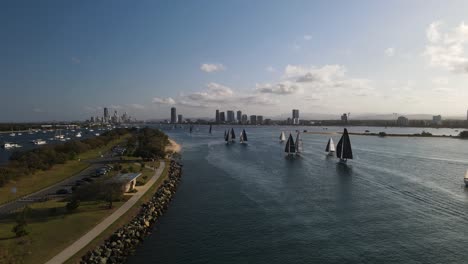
(173, 146)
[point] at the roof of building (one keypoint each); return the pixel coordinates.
(126, 177)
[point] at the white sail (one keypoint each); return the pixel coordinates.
(241, 137)
(331, 145)
(282, 136)
(298, 142)
(466, 175)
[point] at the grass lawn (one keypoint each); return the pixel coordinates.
(127, 217)
(41, 179)
(50, 230)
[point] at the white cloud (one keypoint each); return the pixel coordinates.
(390, 52)
(270, 69)
(159, 100)
(432, 32)
(210, 67)
(447, 49)
(136, 106)
(38, 110)
(307, 37)
(279, 88)
(115, 106)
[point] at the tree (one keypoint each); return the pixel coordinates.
(463, 134)
(73, 204)
(112, 192)
(21, 222)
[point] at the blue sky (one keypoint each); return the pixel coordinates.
(65, 60)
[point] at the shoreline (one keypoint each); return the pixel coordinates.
(173, 146)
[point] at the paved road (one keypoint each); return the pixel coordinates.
(96, 231)
(41, 195)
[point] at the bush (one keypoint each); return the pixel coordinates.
(382, 134)
(426, 134)
(463, 134)
(73, 205)
(20, 228)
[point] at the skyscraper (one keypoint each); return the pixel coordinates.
(106, 115)
(239, 116)
(344, 118)
(295, 117)
(173, 115)
(180, 119)
(230, 116)
(217, 116)
(259, 120)
(253, 119)
(244, 119)
(222, 117)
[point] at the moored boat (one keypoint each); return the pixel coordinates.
(8, 145)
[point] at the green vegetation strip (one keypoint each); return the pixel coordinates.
(51, 229)
(42, 179)
(127, 217)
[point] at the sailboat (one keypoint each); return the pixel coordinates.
(233, 135)
(330, 147)
(282, 137)
(466, 179)
(225, 134)
(243, 137)
(298, 142)
(343, 149)
(191, 129)
(210, 129)
(290, 147)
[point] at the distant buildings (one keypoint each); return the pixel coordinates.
(295, 117)
(437, 120)
(180, 119)
(173, 115)
(344, 118)
(217, 116)
(239, 116)
(222, 117)
(106, 115)
(402, 121)
(259, 120)
(230, 116)
(244, 119)
(253, 119)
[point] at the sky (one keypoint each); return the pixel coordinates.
(66, 60)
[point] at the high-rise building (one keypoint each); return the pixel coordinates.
(344, 118)
(217, 116)
(239, 116)
(402, 121)
(259, 120)
(106, 115)
(437, 120)
(253, 119)
(244, 119)
(180, 119)
(295, 117)
(222, 117)
(173, 115)
(230, 116)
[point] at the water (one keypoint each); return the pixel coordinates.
(401, 200)
(25, 140)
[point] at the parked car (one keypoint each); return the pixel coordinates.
(88, 179)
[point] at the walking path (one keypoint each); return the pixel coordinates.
(97, 230)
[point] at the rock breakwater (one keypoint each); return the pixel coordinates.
(124, 241)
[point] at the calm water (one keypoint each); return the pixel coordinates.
(25, 140)
(401, 200)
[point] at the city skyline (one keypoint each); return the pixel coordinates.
(297, 54)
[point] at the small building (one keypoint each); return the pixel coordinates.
(128, 180)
